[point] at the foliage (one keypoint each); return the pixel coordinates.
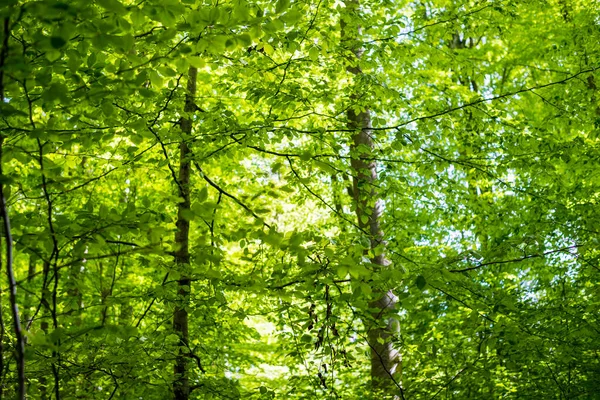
(485, 117)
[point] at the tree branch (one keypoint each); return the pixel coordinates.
(514, 260)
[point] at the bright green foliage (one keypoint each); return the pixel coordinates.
(486, 116)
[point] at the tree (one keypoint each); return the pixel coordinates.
(384, 357)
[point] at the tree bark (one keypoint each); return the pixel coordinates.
(385, 358)
(12, 284)
(27, 316)
(181, 385)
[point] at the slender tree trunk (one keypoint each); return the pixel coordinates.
(75, 294)
(27, 316)
(12, 284)
(3, 373)
(181, 385)
(385, 358)
(44, 326)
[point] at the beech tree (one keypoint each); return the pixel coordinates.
(299, 199)
(384, 357)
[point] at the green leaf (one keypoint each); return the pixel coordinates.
(214, 15)
(281, 6)
(268, 48)
(306, 338)
(53, 55)
(196, 62)
(421, 282)
(172, 338)
(292, 16)
(113, 5)
(57, 42)
(342, 271)
(202, 195)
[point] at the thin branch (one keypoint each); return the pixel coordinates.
(342, 216)
(151, 304)
(420, 28)
(486, 100)
(450, 381)
(150, 32)
(514, 260)
(222, 191)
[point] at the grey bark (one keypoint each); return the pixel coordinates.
(385, 358)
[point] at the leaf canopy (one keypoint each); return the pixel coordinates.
(485, 117)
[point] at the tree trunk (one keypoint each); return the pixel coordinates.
(181, 385)
(27, 316)
(385, 359)
(12, 283)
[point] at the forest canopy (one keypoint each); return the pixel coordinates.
(299, 199)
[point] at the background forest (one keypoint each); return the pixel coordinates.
(300, 199)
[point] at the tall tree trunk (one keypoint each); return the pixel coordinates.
(385, 358)
(12, 284)
(181, 385)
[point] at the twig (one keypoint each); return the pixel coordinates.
(232, 197)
